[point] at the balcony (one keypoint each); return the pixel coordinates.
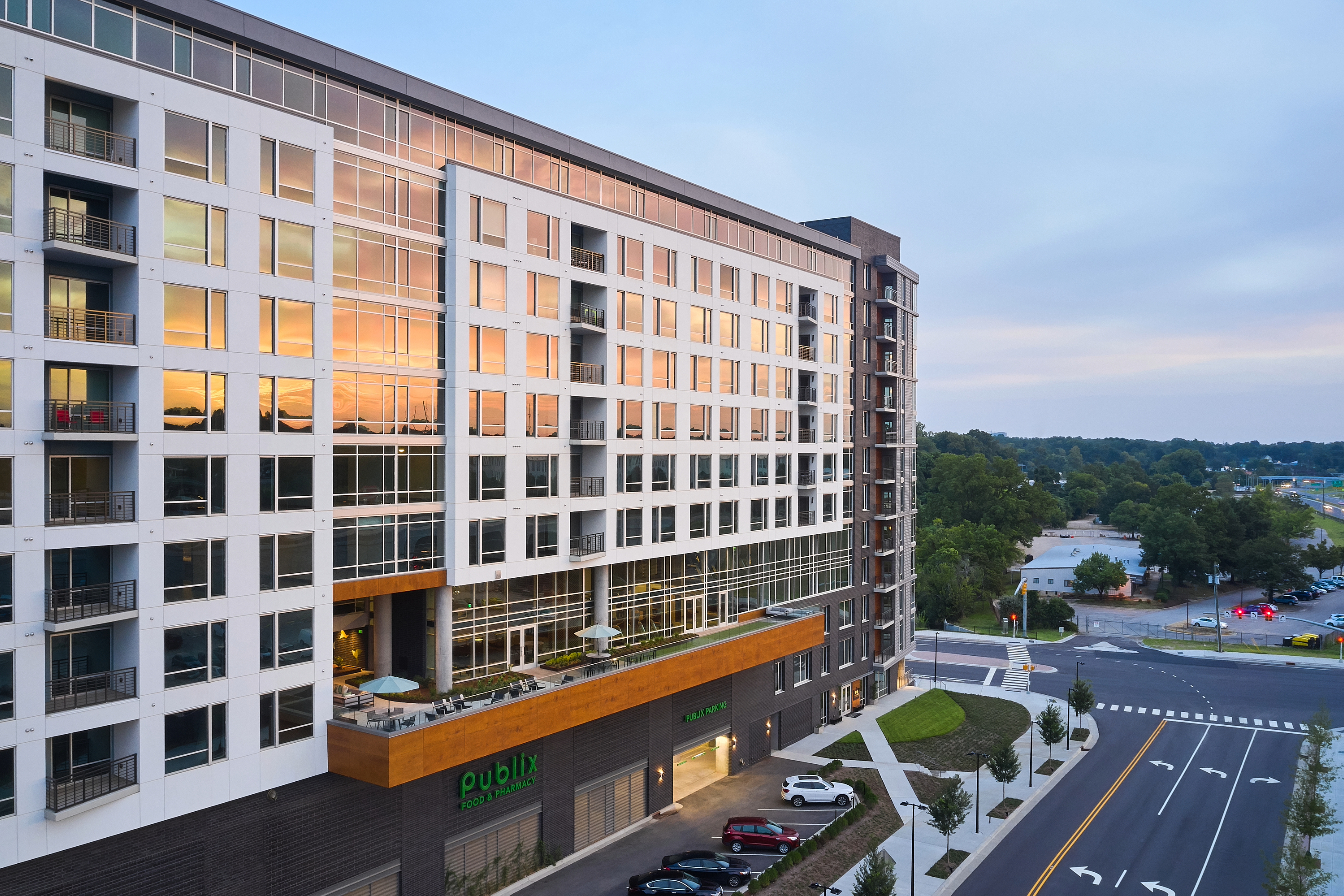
(807, 395)
(807, 311)
(885, 582)
(84, 239)
(74, 605)
(887, 408)
(590, 374)
(589, 317)
(884, 546)
(891, 438)
(587, 260)
(506, 720)
(888, 297)
(90, 690)
(91, 782)
(587, 545)
(78, 508)
(886, 366)
(887, 333)
(807, 436)
(887, 510)
(91, 143)
(587, 486)
(807, 517)
(82, 418)
(81, 325)
(587, 430)
(807, 478)
(807, 353)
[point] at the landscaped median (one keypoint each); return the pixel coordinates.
(1329, 651)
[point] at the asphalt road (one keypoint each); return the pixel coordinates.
(1125, 816)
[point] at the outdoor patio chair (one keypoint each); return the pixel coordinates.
(532, 684)
(460, 704)
(516, 690)
(567, 679)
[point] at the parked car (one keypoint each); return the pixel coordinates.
(1338, 580)
(1335, 619)
(1327, 584)
(1309, 641)
(1206, 621)
(756, 833)
(800, 789)
(1305, 594)
(707, 865)
(656, 883)
(1265, 610)
(1287, 599)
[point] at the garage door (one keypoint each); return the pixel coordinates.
(608, 805)
(385, 882)
(513, 842)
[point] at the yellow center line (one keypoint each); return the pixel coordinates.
(1059, 857)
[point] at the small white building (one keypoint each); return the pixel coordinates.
(1052, 572)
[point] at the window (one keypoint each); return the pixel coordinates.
(7, 756)
(486, 285)
(700, 324)
(6, 706)
(783, 426)
(374, 333)
(286, 638)
(630, 311)
(701, 374)
(728, 424)
(543, 356)
(194, 486)
(664, 266)
(827, 508)
(193, 401)
(485, 350)
(285, 561)
(7, 128)
(760, 380)
(485, 542)
(194, 570)
(192, 316)
(728, 283)
(629, 365)
(664, 369)
(386, 474)
(287, 170)
(664, 420)
(369, 546)
(830, 348)
(846, 613)
(831, 309)
(702, 273)
(373, 403)
(542, 476)
(195, 232)
(543, 536)
(828, 468)
(485, 413)
(760, 291)
(286, 249)
(665, 318)
(286, 716)
(758, 336)
(662, 472)
(631, 257)
(543, 296)
(727, 470)
(663, 525)
(826, 658)
(543, 235)
(543, 416)
(783, 511)
(629, 419)
(783, 382)
(284, 404)
(195, 148)
(783, 339)
(829, 382)
(630, 528)
(700, 520)
(728, 373)
(286, 483)
(729, 334)
(194, 653)
(846, 652)
(783, 296)
(285, 327)
(727, 517)
(780, 681)
(701, 428)
(832, 424)
(802, 668)
(701, 471)
(195, 737)
(6, 587)
(783, 469)
(486, 222)
(760, 469)
(760, 425)
(6, 393)
(386, 194)
(629, 473)
(485, 477)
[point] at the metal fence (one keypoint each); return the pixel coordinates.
(1198, 635)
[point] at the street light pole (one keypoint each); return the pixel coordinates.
(1217, 617)
(1031, 746)
(914, 807)
(978, 756)
(935, 659)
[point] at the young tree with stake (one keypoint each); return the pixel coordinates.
(876, 875)
(1081, 698)
(948, 812)
(1004, 765)
(1050, 726)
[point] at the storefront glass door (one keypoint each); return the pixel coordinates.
(522, 646)
(695, 614)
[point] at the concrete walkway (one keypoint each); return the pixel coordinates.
(929, 845)
(1331, 846)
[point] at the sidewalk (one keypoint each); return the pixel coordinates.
(1331, 846)
(1263, 659)
(990, 639)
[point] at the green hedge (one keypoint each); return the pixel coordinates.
(866, 798)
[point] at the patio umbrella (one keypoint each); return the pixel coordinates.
(595, 632)
(388, 684)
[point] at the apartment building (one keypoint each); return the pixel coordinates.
(508, 386)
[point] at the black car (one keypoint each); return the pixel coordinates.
(656, 883)
(1304, 594)
(707, 865)
(1286, 599)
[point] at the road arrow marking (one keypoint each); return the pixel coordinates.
(1082, 869)
(1167, 765)
(1265, 780)
(1214, 771)
(1153, 886)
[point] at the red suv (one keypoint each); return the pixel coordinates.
(755, 832)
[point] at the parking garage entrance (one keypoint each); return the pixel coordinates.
(700, 765)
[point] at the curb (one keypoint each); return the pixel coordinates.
(1305, 662)
(966, 868)
(992, 639)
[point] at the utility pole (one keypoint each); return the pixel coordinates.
(1217, 616)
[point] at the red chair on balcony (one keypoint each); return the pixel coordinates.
(96, 418)
(62, 418)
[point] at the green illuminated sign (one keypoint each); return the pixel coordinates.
(701, 713)
(478, 788)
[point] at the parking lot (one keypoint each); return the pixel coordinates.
(754, 791)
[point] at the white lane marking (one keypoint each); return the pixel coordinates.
(1142, 710)
(1128, 708)
(1184, 770)
(1258, 722)
(989, 676)
(1273, 724)
(1242, 719)
(1122, 877)
(1232, 793)
(1227, 718)
(1200, 717)
(1238, 727)
(1185, 715)
(1170, 713)
(1288, 725)
(1114, 707)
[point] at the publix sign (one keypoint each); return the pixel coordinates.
(701, 713)
(496, 781)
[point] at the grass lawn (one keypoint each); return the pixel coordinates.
(1333, 527)
(1328, 651)
(1005, 808)
(1080, 733)
(928, 715)
(851, 746)
(927, 787)
(944, 867)
(989, 722)
(983, 622)
(1049, 766)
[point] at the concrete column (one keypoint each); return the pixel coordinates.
(382, 635)
(443, 638)
(601, 601)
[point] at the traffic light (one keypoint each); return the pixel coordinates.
(1013, 617)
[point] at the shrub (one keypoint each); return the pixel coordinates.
(754, 886)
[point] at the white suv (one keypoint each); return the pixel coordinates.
(801, 789)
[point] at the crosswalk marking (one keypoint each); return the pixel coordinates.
(1288, 725)
(1200, 716)
(1273, 724)
(1016, 677)
(1142, 710)
(1128, 708)
(1227, 718)
(1170, 713)
(1260, 723)
(1242, 720)
(1185, 715)
(1213, 717)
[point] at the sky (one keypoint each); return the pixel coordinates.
(1126, 217)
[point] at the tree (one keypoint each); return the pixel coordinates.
(948, 812)
(1004, 765)
(1128, 516)
(1295, 870)
(1050, 726)
(1172, 539)
(1186, 462)
(943, 591)
(1321, 557)
(1098, 573)
(1271, 563)
(876, 875)
(1081, 698)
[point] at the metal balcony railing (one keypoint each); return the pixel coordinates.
(90, 690)
(88, 782)
(887, 365)
(885, 545)
(584, 545)
(588, 430)
(807, 517)
(886, 580)
(88, 231)
(807, 477)
(75, 508)
(587, 486)
(589, 261)
(807, 395)
(66, 136)
(807, 309)
(892, 437)
(82, 325)
(886, 508)
(582, 372)
(807, 353)
(808, 436)
(889, 328)
(90, 601)
(589, 316)
(90, 416)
